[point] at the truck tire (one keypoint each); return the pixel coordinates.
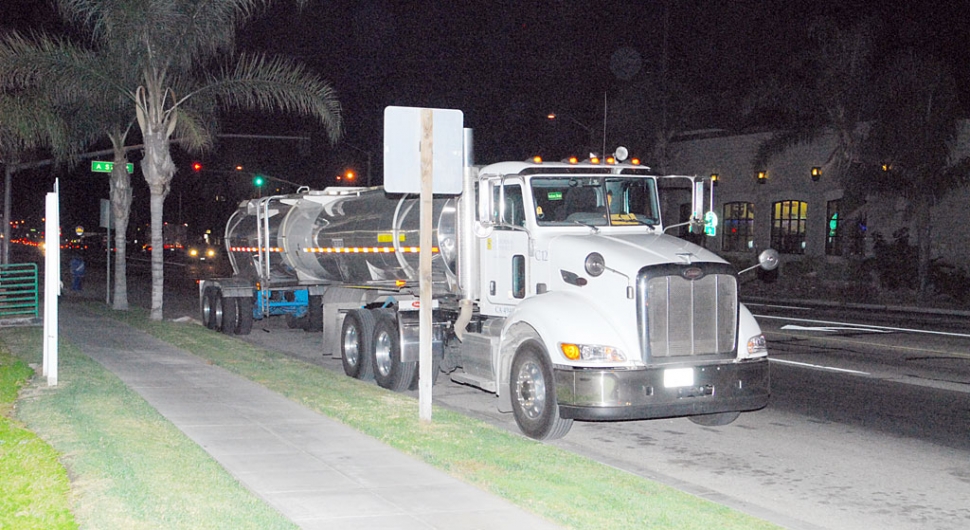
(218, 310)
(245, 315)
(206, 307)
(230, 316)
(314, 314)
(533, 391)
(718, 419)
(356, 350)
(389, 371)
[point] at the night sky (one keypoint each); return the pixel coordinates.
(506, 64)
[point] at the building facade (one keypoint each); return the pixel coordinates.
(792, 205)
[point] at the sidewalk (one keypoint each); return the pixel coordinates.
(314, 470)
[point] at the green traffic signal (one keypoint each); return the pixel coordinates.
(259, 180)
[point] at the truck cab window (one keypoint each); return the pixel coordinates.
(509, 209)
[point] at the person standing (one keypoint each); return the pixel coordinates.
(77, 273)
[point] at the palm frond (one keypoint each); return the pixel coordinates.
(256, 82)
(782, 141)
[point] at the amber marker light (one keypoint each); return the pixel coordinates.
(571, 351)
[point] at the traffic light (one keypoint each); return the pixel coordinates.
(259, 180)
(196, 166)
(350, 175)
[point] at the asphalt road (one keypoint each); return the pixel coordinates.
(865, 429)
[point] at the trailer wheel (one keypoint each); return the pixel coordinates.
(533, 391)
(206, 309)
(356, 352)
(218, 310)
(389, 371)
(230, 316)
(718, 419)
(245, 324)
(314, 314)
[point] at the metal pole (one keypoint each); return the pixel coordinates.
(604, 125)
(7, 181)
(107, 277)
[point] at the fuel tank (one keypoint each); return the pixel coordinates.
(354, 236)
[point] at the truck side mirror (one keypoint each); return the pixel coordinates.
(767, 260)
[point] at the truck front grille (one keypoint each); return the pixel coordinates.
(687, 310)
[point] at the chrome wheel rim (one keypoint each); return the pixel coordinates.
(530, 390)
(351, 346)
(382, 353)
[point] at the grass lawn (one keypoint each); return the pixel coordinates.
(571, 490)
(34, 488)
(130, 468)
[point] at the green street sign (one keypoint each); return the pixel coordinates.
(98, 166)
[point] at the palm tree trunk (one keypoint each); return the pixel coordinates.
(158, 168)
(120, 210)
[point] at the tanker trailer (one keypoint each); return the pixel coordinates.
(343, 248)
(555, 287)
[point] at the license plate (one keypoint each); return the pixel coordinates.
(678, 377)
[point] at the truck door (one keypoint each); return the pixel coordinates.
(505, 251)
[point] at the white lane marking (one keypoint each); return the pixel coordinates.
(865, 328)
(820, 367)
(833, 328)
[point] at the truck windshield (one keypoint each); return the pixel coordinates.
(595, 201)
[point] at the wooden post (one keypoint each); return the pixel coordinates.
(424, 269)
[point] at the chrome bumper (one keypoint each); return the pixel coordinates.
(611, 394)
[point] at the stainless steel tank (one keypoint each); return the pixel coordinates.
(353, 236)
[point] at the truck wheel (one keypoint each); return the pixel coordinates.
(206, 309)
(314, 314)
(389, 371)
(719, 419)
(218, 310)
(533, 392)
(245, 324)
(230, 316)
(356, 352)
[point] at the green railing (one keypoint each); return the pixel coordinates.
(18, 290)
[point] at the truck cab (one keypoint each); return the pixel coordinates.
(594, 313)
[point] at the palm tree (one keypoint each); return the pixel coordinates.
(828, 91)
(28, 123)
(174, 48)
(911, 143)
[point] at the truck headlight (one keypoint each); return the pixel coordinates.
(757, 345)
(595, 264)
(591, 352)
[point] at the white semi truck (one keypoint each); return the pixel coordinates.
(555, 287)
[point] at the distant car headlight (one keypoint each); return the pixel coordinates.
(211, 253)
(193, 252)
(757, 346)
(591, 352)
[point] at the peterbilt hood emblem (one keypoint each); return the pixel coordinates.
(692, 273)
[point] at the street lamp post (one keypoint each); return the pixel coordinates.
(587, 128)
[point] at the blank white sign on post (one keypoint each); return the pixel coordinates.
(402, 150)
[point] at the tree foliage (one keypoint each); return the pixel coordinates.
(172, 64)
